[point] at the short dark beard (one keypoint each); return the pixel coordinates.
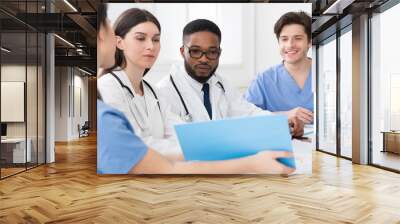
(200, 79)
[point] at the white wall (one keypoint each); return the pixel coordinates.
(33, 125)
(71, 87)
(17, 73)
(248, 42)
(14, 72)
(61, 104)
(81, 104)
(12, 100)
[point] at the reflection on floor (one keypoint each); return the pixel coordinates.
(386, 159)
(10, 169)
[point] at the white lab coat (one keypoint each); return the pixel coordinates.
(225, 102)
(148, 126)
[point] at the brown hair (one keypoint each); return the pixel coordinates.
(101, 16)
(124, 23)
(300, 18)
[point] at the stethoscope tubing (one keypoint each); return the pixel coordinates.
(130, 91)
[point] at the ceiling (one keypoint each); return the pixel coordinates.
(21, 21)
(330, 16)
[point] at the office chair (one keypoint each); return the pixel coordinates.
(84, 130)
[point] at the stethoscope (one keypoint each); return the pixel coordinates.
(133, 96)
(130, 91)
(188, 117)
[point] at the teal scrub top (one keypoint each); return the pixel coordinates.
(276, 90)
(118, 148)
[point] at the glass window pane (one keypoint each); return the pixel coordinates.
(385, 89)
(327, 97)
(22, 88)
(31, 97)
(41, 98)
(13, 87)
(346, 94)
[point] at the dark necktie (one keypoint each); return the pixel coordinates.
(207, 103)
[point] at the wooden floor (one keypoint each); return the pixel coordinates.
(70, 191)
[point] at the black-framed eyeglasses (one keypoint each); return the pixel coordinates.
(211, 54)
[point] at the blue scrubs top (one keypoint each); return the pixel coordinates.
(118, 148)
(276, 90)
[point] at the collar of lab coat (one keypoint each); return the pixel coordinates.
(188, 86)
(197, 86)
(125, 80)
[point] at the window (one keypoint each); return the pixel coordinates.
(327, 96)
(394, 118)
(346, 94)
(385, 89)
(22, 68)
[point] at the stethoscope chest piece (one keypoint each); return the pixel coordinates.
(188, 118)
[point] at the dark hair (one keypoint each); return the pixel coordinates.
(300, 18)
(199, 25)
(124, 23)
(101, 16)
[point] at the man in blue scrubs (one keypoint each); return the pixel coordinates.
(287, 87)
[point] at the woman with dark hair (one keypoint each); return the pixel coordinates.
(123, 87)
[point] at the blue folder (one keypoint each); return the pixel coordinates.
(234, 138)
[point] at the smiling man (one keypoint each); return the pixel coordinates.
(286, 87)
